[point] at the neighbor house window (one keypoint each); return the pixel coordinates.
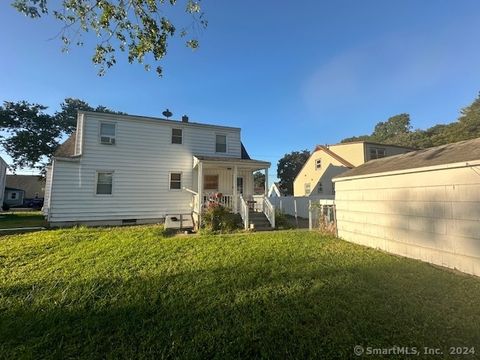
(175, 181)
(377, 153)
(221, 144)
(107, 133)
(320, 188)
(13, 195)
(210, 182)
(104, 183)
(177, 136)
(307, 189)
(318, 164)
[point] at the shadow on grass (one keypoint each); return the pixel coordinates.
(242, 312)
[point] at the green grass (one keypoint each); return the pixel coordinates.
(21, 219)
(134, 293)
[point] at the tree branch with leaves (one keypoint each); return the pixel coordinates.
(136, 27)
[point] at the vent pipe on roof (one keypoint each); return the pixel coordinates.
(184, 118)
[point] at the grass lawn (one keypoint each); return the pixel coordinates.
(21, 219)
(134, 293)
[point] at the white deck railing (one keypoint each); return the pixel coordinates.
(224, 200)
(243, 210)
(269, 211)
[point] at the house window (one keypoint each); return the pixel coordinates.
(320, 188)
(107, 133)
(318, 164)
(307, 189)
(175, 181)
(177, 136)
(210, 182)
(13, 195)
(104, 183)
(240, 185)
(221, 144)
(377, 153)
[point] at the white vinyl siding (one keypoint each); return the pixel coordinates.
(142, 160)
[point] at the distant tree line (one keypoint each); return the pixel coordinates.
(398, 131)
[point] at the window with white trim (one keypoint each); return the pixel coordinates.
(177, 136)
(307, 188)
(107, 133)
(210, 182)
(318, 164)
(377, 153)
(175, 181)
(104, 183)
(13, 195)
(221, 143)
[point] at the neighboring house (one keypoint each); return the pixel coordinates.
(32, 185)
(3, 174)
(132, 169)
(274, 190)
(13, 196)
(325, 162)
(424, 205)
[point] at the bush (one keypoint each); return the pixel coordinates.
(218, 219)
(281, 221)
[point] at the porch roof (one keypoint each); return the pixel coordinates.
(231, 161)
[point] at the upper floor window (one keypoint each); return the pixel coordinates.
(320, 188)
(221, 144)
(210, 182)
(107, 133)
(318, 164)
(175, 181)
(104, 183)
(177, 135)
(377, 153)
(307, 189)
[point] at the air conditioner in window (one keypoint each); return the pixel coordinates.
(108, 140)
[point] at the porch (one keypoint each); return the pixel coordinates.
(229, 182)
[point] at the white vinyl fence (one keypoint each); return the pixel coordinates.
(297, 206)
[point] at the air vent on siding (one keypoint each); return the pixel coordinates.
(129, 221)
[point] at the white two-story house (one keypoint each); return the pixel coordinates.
(123, 169)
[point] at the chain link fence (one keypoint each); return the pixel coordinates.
(322, 216)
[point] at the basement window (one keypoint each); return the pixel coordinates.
(177, 135)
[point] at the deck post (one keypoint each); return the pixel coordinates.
(266, 182)
(235, 200)
(200, 192)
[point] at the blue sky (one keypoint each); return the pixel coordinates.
(290, 74)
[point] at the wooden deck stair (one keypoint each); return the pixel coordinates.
(259, 221)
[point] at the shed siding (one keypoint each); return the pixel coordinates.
(432, 216)
(141, 159)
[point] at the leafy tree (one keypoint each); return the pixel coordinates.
(139, 28)
(288, 167)
(30, 136)
(395, 128)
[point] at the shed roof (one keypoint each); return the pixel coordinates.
(468, 150)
